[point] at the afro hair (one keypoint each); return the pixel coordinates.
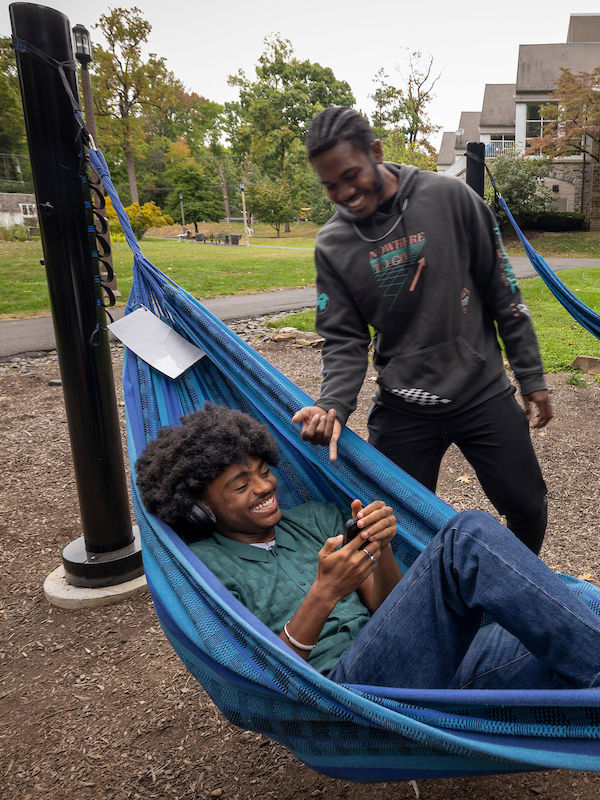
(177, 466)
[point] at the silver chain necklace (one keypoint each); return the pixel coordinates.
(387, 233)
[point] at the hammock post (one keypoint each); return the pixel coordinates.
(475, 167)
(109, 552)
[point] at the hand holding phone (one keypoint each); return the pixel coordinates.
(351, 530)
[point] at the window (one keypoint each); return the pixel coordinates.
(535, 126)
(28, 209)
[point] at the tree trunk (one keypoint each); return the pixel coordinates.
(224, 191)
(286, 228)
(131, 175)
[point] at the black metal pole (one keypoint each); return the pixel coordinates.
(475, 166)
(108, 553)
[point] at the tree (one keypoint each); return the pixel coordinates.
(272, 201)
(201, 194)
(571, 120)
(125, 85)
(400, 118)
(520, 183)
(12, 122)
(273, 111)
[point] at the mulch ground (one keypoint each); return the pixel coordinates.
(95, 704)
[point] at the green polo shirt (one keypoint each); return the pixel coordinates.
(273, 583)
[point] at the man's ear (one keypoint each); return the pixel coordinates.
(377, 150)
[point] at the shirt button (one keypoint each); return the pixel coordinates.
(302, 583)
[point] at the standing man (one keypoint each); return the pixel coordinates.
(419, 257)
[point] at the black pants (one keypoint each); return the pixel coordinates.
(494, 438)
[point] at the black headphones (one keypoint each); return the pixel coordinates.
(201, 517)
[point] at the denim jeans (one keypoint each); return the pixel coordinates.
(427, 634)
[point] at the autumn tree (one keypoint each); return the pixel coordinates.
(571, 118)
(136, 98)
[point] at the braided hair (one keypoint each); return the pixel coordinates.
(177, 466)
(336, 124)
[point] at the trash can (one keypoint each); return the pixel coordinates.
(235, 239)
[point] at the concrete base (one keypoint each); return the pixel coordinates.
(60, 593)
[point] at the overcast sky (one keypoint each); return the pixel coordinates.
(471, 44)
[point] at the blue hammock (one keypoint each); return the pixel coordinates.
(362, 733)
(584, 315)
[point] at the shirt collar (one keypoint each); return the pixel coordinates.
(283, 539)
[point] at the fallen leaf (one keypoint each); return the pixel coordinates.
(464, 479)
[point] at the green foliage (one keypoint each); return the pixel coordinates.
(398, 149)
(273, 110)
(401, 119)
(519, 181)
(16, 233)
(12, 122)
(272, 201)
(576, 379)
(201, 197)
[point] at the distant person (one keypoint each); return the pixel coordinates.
(346, 607)
(418, 256)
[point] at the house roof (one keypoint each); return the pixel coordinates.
(469, 124)
(498, 108)
(539, 64)
(10, 201)
(584, 28)
(446, 154)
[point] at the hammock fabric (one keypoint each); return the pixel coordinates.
(584, 315)
(362, 733)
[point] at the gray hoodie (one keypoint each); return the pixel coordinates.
(433, 288)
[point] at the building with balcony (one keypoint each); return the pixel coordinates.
(510, 116)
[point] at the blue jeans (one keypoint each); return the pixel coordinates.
(427, 632)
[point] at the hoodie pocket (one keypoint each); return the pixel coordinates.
(436, 375)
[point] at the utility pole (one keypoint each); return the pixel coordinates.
(243, 192)
(182, 213)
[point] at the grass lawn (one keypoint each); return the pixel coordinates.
(215, 270)
(561, 338)
(576, 244)
(205, 270)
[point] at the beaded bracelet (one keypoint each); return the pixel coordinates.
(293, 641)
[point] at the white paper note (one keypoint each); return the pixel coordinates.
(156, 343)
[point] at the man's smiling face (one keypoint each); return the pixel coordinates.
(355, 179)
(244, 500)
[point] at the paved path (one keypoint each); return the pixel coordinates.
(36, 334)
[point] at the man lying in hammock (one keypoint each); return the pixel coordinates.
(347, 609)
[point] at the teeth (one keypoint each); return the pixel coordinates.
(264, 505)
(355, 203)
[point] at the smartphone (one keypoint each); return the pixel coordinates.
(351, 530)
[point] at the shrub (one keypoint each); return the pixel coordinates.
(16, 233)
(552, 221)
(141, 217)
